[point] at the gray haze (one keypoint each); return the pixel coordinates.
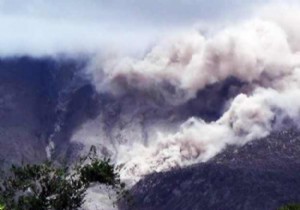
(39, 27)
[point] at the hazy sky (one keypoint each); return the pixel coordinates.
(41, 27)
(151, 11)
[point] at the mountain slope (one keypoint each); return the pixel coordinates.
(262, 175)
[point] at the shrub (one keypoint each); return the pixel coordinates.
(291, 207)
(46, 186)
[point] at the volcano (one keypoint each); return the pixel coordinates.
(46, 100)
(195, 103)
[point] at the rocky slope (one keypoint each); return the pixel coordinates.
(31, 92)
(261, 175)
(45, 100)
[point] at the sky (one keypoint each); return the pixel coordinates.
(40, 27)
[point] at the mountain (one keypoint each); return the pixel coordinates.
(49, 108)
(37, 97)
(262, 175)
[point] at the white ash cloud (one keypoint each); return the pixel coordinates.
(261, 52)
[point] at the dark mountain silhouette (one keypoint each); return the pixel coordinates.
(261, 175)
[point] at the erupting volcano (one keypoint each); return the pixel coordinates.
(193, 108)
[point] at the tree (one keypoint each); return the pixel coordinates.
(47, 186)
(291, 207)
(2, 205)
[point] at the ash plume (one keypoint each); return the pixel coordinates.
(261, 53)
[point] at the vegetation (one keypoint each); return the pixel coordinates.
(50, 187)
(291, 207)
(2, 205)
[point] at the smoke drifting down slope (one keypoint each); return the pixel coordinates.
(260, 53)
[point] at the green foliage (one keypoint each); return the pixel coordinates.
(50, 187)
(291, 207)
(98, 171)
(93, 170)
(42, 187)
(2, 205)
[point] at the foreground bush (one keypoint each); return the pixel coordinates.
(291, 207)
(49, 187)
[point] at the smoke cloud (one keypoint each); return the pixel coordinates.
(261, 52)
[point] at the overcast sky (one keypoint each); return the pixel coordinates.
(41, 27)
(145, 11)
